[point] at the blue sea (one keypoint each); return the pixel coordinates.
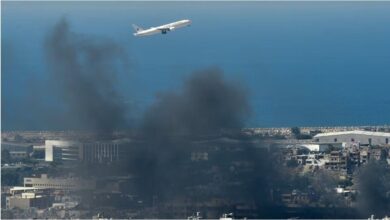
(303, 63)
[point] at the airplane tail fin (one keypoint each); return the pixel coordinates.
(137, 28)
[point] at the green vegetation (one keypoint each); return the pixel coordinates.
(292, 163)
(5, 157)
(14, 177)
(9, 178)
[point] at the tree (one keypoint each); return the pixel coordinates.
(5, 156)
(9, 178)
(324, 184)
(18, 138)
(292, 163)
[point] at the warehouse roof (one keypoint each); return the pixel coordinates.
(357, 132)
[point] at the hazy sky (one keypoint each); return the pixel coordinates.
(304, 63)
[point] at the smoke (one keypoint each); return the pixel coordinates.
(374, 189)
(83, 71)
(205, 106)
(205, 115)
(192, 119)
(178, 123)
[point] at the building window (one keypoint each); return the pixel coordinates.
(369, 141)
(353, 140)
(335, 140)
(387, 141)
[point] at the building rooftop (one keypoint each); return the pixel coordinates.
(17, 189)
(357, 132)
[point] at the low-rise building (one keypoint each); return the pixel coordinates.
(362, 137)
(295, 198)
(337, 161)
(378, 153)
(91, 152)
(44, 182)
(364, 155)
(28, 200)
(316, 147)
(19, 155)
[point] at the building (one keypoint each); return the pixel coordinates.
(320, 147)
(20, 189)
(27, 200)
(39, 152)
(364, 155)
(315, 160)
(18, 152)
(378, 153)
(91, 152)
(59, 150)
(353, 153)
(44, 182)
(362, 137)
(295, 198)
(102, 151)
(19, 155)
(337, 161)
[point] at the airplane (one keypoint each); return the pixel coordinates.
(163, 29)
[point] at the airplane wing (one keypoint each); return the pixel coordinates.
(164, 30)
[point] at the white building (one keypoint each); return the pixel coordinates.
(44, 182)
(62, 150)
(94, 152)
(315, 147)
(361, 137)
(27, 200)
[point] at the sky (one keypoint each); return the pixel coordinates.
(303, 63)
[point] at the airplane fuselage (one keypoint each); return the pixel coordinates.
(163, 29)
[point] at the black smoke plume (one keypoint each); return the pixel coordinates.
(198, 117)
(83, 71)
(207, 104)
(206, 115)
(374, 189)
